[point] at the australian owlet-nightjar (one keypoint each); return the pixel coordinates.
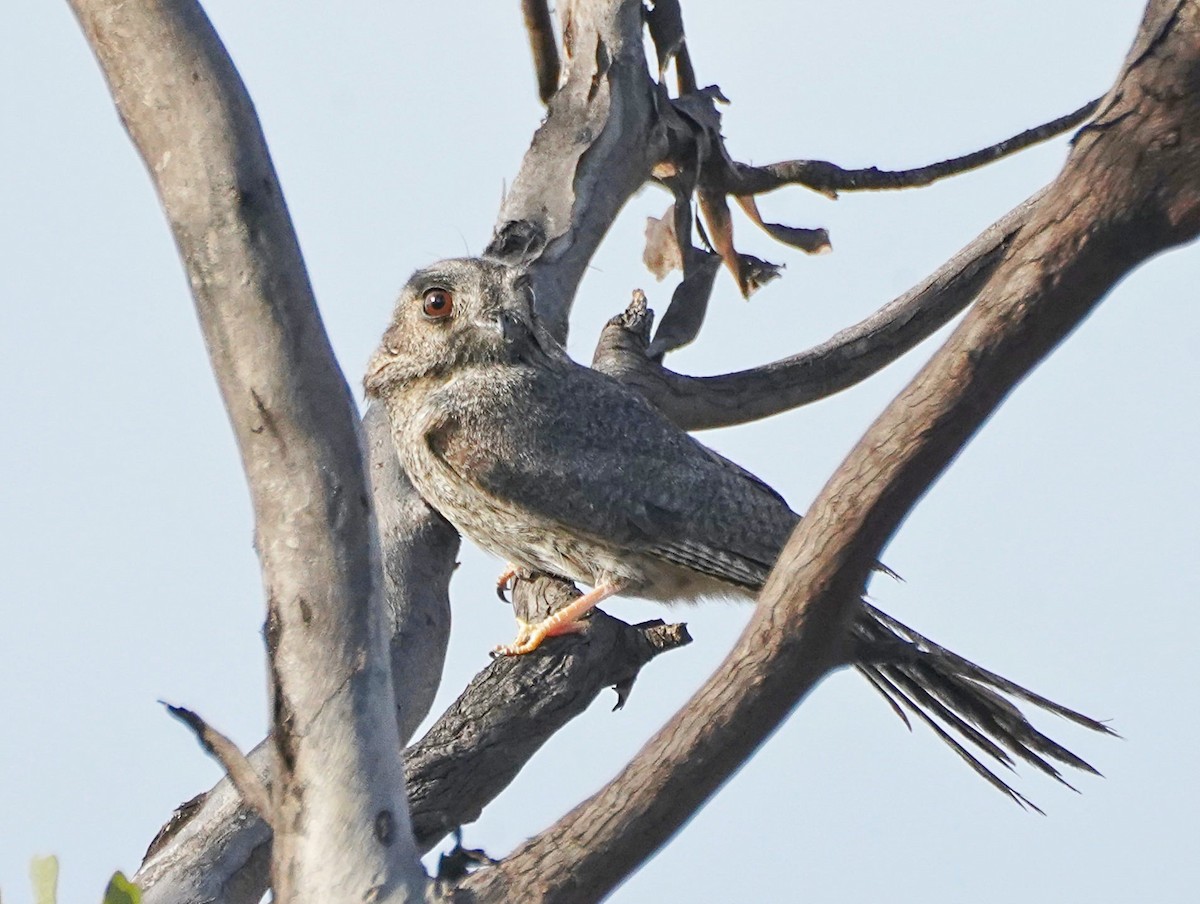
(555, 467)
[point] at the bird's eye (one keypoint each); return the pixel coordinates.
(438, 304)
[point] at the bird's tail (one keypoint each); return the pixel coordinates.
(968, 707)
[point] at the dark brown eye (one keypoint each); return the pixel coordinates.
(438, 304)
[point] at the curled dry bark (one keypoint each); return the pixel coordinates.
(1128, 190)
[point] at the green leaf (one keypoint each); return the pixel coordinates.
(43, 873)
(122, 891)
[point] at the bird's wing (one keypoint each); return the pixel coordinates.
(586, 454)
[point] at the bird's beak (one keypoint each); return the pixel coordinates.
(375, 367)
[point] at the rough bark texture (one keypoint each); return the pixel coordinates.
(514, 706)
(1130, 188)
(461, 764)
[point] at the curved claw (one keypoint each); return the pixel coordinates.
(505, 582)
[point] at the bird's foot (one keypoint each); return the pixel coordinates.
(564, 621)
(506, 581)
(530, 637)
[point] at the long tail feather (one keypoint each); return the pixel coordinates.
(963, 703)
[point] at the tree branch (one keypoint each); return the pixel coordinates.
(338, 791)
(829, 178)
(420, 552)
(592, 152)
(216, 850)
(1130, 188)
(213, 849)
(700, 403)
(543, 46)
(241, 771)
(516, 704)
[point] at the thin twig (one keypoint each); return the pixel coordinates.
(543, 46)
(231, 758)
(685, 72)
(829, 178)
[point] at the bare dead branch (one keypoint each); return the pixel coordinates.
(699, 403)
(810, 241)
(516, 704)
(543, 46)
(685, 73)
(241, 772)
(697, 163)
(213, 849)
(1130, 189)
(569, 191)
(829, 178)
(463, 762)
(219, 853)
(338, 783)
(419, 551)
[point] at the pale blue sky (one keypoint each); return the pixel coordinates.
(1060, 549)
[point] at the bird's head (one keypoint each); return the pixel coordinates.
(454, 313)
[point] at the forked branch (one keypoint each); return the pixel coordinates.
(700, 403)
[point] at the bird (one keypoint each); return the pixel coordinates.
(557, 468)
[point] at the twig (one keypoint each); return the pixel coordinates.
(685, 73)
(241, 771)
(543, 46)
(829, 178)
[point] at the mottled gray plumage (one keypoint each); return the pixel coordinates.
(555, 467)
